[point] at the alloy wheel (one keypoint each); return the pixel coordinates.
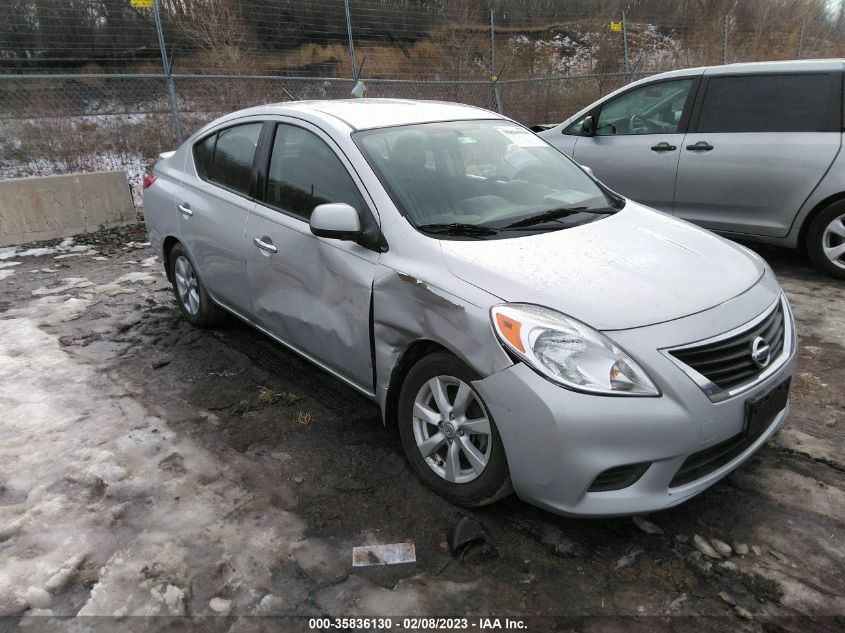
(833, 241)
(452, 429)
(187, 286)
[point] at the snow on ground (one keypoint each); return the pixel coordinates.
(92, 484)
(105, 510)
(66, 248)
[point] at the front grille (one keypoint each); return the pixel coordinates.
(618, 477)
(727, 362)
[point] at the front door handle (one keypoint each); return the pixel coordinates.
(185, 209)
(663, 147)
(701, 146)
(264, 246)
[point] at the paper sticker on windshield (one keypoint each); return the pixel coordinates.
(519, 136)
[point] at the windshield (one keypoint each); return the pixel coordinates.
(481, 179)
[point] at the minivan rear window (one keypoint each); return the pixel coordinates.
(808, 102)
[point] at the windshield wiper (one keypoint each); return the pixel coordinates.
(457, 228)
(550, 216)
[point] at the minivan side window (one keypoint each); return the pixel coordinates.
(651, 109)
(305, 172)
(807, 102)
(575, 128)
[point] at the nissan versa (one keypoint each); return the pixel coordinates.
(526, 328)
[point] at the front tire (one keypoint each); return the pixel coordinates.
(448, 434)
(194, 302)
(826, 240)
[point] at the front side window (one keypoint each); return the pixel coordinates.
(771, 103)
(231, 157)
(481, 179)
(305, 172)
(651, 109)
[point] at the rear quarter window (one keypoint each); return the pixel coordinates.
(771, 103)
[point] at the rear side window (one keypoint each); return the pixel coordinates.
(226, 157)
(771, 103)
(231, 165)
(203, 153)
(305, 172)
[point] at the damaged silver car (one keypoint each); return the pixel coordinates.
(527, 329)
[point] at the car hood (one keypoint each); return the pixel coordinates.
(637, 267)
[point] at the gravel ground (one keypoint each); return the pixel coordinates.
(151, 469)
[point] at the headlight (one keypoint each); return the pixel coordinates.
(568, 352)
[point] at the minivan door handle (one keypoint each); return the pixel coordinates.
(264, 246)
(663, 147)
(185, 209)
(701, 146)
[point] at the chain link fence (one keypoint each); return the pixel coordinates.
(103, 84)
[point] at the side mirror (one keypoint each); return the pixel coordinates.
(587, 169)
(588, 128)
(337, 221)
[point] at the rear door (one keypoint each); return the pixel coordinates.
(758, 145)
(311, 292)
(638, 138)
(214, 207)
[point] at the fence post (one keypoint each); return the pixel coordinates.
(349, 36)
(800, 40)
(168, 76)
(725, 41)
(494, 78)
(625, 61)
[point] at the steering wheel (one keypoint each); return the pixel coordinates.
(639, 124)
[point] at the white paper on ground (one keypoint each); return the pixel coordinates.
(391, 554)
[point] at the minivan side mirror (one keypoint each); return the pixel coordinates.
(588, 128)
(337, 221)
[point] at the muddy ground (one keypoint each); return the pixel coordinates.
(149, 468)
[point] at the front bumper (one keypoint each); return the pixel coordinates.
(558, 441)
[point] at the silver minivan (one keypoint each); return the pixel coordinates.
(526, 328)
(751, 151)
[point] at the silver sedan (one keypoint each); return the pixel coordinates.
(527, 329)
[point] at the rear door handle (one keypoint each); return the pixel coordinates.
(185, 209)
(264, 246)
(701, 146)
(663, 147)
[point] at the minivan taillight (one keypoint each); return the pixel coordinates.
(149, 179)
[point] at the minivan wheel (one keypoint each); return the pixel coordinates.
(193, 300)
(826, 240)
(448, 434)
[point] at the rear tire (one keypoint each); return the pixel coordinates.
(826, 240)
(465, 460)
(193, 300)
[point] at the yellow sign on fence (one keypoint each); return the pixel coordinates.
(616, 27)
(142, 4)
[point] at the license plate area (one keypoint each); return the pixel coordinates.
(760, 412)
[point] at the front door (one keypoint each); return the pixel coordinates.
(311, 292)
(637, 140)
(756, 149)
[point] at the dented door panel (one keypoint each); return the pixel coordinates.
(313, 293)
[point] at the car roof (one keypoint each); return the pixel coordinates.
(363, 114)
(743, 68)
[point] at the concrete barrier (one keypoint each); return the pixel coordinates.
(47, 207)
